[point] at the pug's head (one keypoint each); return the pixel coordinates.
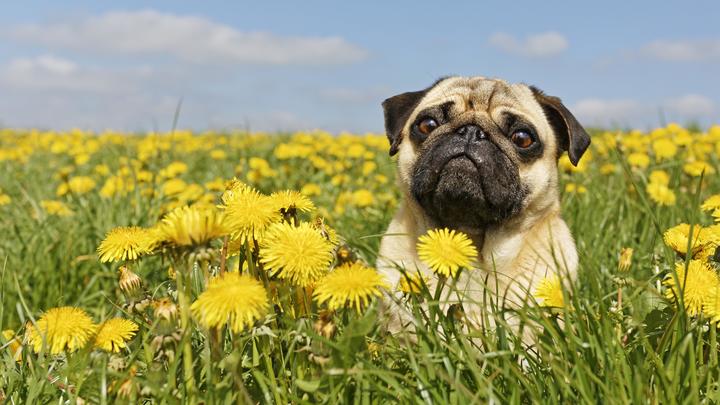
(475, 153)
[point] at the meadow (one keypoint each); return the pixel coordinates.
(238, 268)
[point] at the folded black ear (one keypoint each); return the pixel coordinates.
(572, 137)
(397, 111)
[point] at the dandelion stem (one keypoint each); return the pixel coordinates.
(183, 298)
(223, 254)
(713, 346)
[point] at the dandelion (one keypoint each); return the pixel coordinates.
(232, 298)
(311, 189)
(550, 292)
(81, 184)
(13, 343)
(699, 281)
(574, 188)
(712, 203)
(677, 238)
(625, 259)
(249, 213)
(351, 284)
(64, 328)
(173, 187)
(411, 283)
(290, 200)
(697, 168)
(445, 251)
(660, 194)
(659, 177)
(363, 198)
(608, 168)
(664, 149)
(187, 226)
(299, 254)
(114, 333)
(4, 199)
(54, 207)
(124, 243)
(638, 160)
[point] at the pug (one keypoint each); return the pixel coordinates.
(479, 155)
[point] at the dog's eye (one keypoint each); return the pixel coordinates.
(427, 125)
(522, 139)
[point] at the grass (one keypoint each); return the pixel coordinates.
(591, 351)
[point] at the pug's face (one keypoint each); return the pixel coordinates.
(476, 152)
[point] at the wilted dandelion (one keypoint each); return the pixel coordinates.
(351, 284)
(550, 292)
(187, 226)
(124, 243)
(128, 281)
(64, 328)
(625, 259)
(445, 251)
(699, 282)
(232, 298)
(298, 254)
(114, 333)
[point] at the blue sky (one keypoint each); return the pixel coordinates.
(319, 64)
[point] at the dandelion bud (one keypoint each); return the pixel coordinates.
(165, 310)
(625, 259)
(324, 326)
(129, 282)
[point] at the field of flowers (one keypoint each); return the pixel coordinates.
(238, 268)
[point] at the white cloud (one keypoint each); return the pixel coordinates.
(631, 112)
(692, 106)
(189, 38)
(537, 45)
(683, 50)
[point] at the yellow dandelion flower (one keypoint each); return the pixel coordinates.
(574, 188)
(60, 329)
(299, 254)
(712, 203)
(697, 168)
(639, 160)
(185, 226)
(362, 198)
(81, 184)
(660, 194)
(114, 333)
(124, 243)
(173, 187)
(677, 238)
(699, 281)
(13, 343)
(445, 251)
(232, 298)
(550, 292)
(625, 259)
(311, 189)
(289, 200)
(411, 283)
(351, 284)
(233, 188)
(608, 168)
(664, 149)
(218, 154)
(659, 177)
(249, 213)
(54, 207)
(4, 199)
(711, 305)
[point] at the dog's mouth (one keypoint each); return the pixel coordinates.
(467, 189)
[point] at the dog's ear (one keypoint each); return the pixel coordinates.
(572, 137)
(397, 111)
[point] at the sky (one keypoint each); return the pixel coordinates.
(277, 66)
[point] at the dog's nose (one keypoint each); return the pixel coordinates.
(471, 132)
